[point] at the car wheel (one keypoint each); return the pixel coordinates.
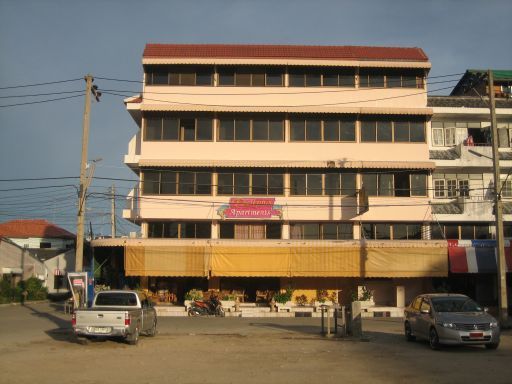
(152, 330)
(133, 339)
(433, 339)
(408, 332)
(492, 346)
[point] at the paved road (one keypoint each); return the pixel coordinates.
(35, 346)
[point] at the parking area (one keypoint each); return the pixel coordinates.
(36, 344)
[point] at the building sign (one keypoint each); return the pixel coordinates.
(250, 208)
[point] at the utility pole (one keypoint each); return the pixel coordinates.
(89, 88)
(113, 213)
(79, 259)
(498, 209)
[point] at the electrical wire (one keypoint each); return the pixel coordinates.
(41, 94)
(40, 84)
(40, 101)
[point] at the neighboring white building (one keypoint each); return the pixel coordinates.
(462, 181)
(37, 248)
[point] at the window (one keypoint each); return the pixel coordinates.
(321, 231)
(505, 135)
(332, 183)
(45, 244)
(401, 184)
(451, 188)
(59, 281)
(439, 188)
(464, 188)
(464, 231)
(257, 129)
(179, 230)
(242, 183)
(321, 77)
(330, 129)
(179, 75)
(398, 131)
(250, 230)
(397, 231)
(376, 78)
(174, 128)
(251, 77)
(176, 183)
(506, 187)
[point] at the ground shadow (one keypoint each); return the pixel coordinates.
(63, 332)
(299, 329)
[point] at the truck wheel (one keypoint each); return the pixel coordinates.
(133, 339)
(82, 340)
(152, 330)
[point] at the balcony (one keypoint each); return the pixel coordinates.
(132, 158)
(473, 208)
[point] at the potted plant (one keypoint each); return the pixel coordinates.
(301, 300)
(283, 300)
(228, 301)
(324, 298)
(192, 295)
(364, 296)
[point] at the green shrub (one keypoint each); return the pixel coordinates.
(8, 294)
(194, 294)
(283, 297)
(35, 289)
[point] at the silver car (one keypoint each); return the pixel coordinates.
(446, 318)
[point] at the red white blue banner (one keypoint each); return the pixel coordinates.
(476, 256)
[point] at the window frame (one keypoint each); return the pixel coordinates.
(180, 134)
(249, 190)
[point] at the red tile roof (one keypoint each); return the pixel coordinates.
(33, 228)
(283, 52)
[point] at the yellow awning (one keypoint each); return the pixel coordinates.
(349, 260)
(404, 262)
(248, 261)
(325, 262)
(165, 261)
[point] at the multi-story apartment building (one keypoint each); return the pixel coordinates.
(263, 167)
(463, 181)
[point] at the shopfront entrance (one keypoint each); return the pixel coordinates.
(252, 289)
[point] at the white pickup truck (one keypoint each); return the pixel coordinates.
(124, 314)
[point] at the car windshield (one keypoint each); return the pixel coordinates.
(455, 304)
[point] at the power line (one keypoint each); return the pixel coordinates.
(41, 101)
(40, 84)
(40, 94)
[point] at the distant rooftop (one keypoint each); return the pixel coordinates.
(33, 228)
(466, 102)
(283, 51)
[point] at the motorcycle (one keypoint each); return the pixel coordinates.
(211, 307)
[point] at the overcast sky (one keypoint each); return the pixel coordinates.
(53, 40)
